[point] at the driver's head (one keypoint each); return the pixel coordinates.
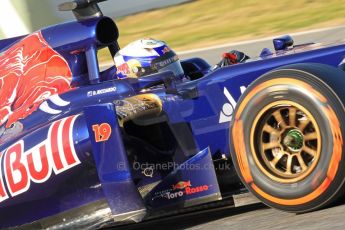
(146, 56)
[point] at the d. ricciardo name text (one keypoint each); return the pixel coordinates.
(101, 91)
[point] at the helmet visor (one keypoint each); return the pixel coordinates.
(168, 62)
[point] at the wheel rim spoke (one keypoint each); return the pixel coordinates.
(310, 136)
(303, 124)
(292, 116)
(279, 119)
(270, 145)
(270, 129)
(301, 162)
(289, 164)
(277, 158)
(309, 151)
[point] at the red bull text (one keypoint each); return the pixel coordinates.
(55, 154)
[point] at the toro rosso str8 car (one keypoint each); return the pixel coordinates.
(81, 149)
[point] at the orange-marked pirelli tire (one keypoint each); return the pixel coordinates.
(287, 137)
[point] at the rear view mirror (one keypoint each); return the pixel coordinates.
(283, 42)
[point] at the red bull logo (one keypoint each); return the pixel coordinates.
(36, 165)
(123, 68)
(181, 185)
(30, 72)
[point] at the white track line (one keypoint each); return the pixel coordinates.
(256, 40)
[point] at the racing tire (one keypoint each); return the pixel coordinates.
(287, 136)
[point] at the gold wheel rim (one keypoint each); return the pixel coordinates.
(285, 141)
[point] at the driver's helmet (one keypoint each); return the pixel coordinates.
(146, 56)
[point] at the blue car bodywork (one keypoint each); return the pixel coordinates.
(113, 150)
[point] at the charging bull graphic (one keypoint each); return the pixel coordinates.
(30, 72)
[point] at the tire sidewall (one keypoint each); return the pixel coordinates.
(293, 92)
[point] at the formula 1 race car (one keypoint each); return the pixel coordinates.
(82, 149)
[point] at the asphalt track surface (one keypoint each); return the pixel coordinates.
(254, 47)
(256, 216)
(253, 217)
